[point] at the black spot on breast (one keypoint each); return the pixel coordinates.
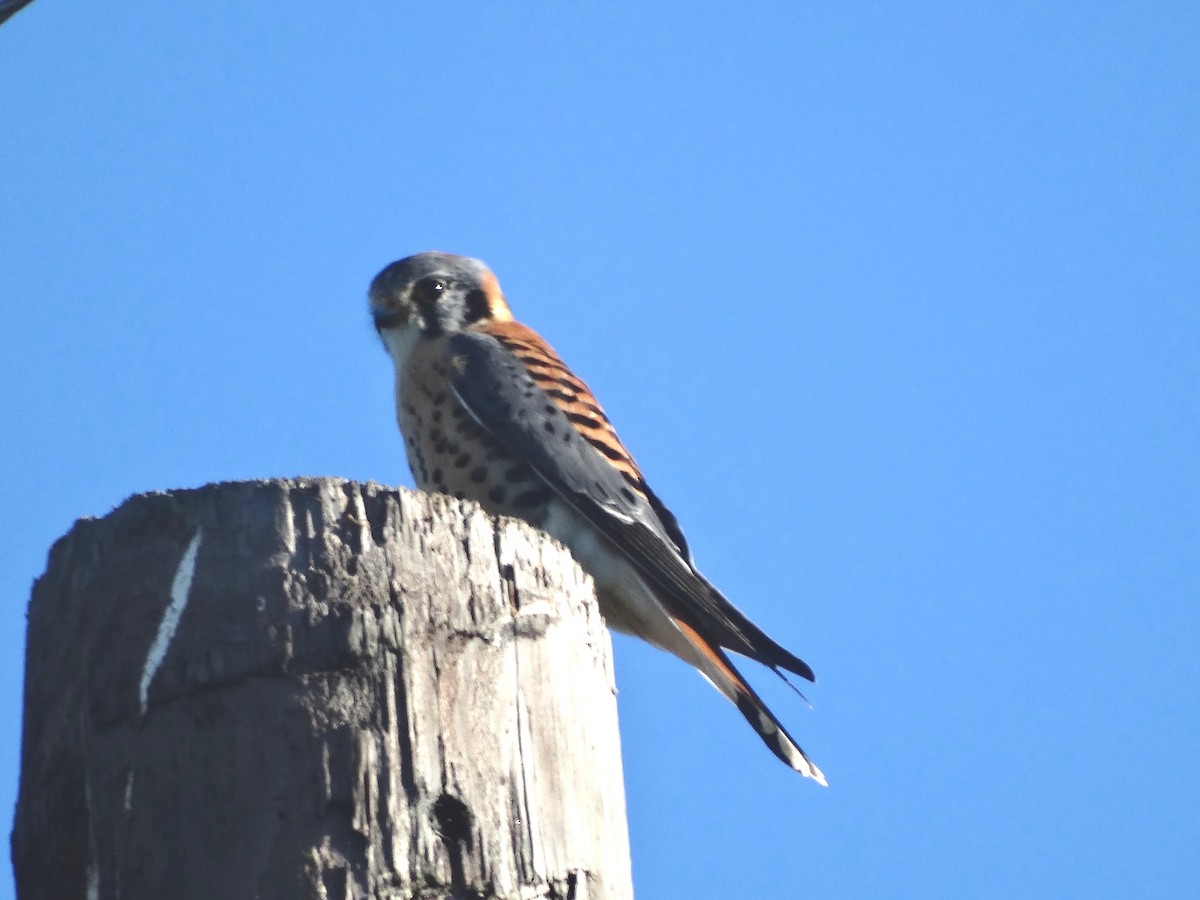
(462, 460)
(549, 426)
(629, 495)
(438, 477)
(478, 474)
(418, 459)
(497, 494)
(532, 498)
(466, 427)
(436, 416)
(519, 472)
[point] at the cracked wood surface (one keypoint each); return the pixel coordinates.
(316, 688)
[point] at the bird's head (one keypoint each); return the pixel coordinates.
(430, 294)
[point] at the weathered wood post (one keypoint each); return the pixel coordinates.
(316, 689)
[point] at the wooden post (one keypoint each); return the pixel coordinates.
(316, 689)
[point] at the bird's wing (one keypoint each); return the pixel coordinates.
(514, 385)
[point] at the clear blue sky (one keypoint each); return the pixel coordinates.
(897, 305)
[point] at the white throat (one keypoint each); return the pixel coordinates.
(400, 343)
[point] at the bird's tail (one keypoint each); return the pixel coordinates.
(716, 667)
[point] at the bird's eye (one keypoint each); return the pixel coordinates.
(428, 290)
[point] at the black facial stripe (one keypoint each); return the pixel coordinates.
(477, 305)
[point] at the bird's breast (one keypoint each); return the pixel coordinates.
(448, 452)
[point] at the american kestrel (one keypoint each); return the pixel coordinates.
(489, 412)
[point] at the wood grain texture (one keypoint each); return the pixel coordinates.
(369, 693)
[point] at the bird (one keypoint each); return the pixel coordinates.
(489, 412)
